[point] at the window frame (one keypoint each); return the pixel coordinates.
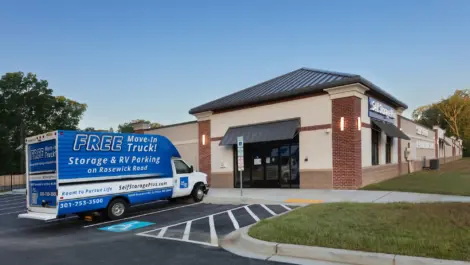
(375, 161)
(184, 163)
(388, 150)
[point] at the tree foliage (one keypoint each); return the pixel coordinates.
(24, 99)
(451, 113)
(127, 126)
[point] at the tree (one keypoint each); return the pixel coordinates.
(455, 111)
(28, 107)
(128, 128)
(89, 129)
(451, 113)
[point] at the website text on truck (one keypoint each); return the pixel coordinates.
(74, 172)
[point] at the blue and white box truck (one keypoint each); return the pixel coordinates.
(75, 172)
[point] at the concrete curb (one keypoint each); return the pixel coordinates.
(240, 243)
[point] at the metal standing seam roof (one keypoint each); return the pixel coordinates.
(298, 82)
(262, 132)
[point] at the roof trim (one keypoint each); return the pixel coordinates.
(351, 79)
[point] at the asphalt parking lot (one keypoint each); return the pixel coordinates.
(161, 232)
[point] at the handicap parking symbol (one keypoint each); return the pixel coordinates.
(125, 227)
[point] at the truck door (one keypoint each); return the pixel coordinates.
(182, 180)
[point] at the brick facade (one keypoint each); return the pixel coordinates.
(204, 128)
(347, 149)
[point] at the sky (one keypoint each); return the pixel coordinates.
(155, 60)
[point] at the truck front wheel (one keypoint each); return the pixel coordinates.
(198, 193)
(117, 209)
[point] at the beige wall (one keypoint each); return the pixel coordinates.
(316, 145)
(448, 148)
(185, 139)
(418, 142)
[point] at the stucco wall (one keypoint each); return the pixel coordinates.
(418, 152)
(316, 145)
(185, 139)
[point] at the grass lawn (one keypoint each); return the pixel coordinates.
(437, 230)
(453, 178)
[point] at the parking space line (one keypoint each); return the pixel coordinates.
(187, 230)
(214, 239)
(140, 215)
(252, 214)
(234, 221)
(268, 210)
(14, 200)
(22, 206)
(180, 240)
(285, 207)
(162, 232)
(12, 212)
(168, 226)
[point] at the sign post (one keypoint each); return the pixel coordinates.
(241, 164)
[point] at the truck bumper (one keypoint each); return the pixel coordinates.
(38, 216)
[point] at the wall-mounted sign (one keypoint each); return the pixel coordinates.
(381, 111)
(422, 131)
(424, 145)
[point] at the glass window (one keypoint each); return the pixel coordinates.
(388, 150)
(375, 144)
(181, 167)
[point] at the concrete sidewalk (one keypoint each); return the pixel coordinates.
(305, 196)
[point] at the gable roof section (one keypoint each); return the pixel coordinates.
(295, 83)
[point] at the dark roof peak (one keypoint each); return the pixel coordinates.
(298, 82)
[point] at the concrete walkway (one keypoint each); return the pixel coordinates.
(305, 196)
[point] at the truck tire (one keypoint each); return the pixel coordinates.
(116, 209)
(198, 193)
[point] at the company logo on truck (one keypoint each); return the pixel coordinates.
(105, 154)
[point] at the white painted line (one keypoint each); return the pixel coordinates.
(177, 239)
(268, 210)
(140, 215)
(162, 232)
(12, 212)
(252, 214)
(141, 204)
(14, 200)
(153, 230)
(214, 239)
(22, 206)
(285, 207)
(234, 221)
(187, 230)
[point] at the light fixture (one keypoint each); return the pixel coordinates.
(341, 124)
(359, 124)
(203, 139)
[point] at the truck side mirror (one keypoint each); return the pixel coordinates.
(191, 169)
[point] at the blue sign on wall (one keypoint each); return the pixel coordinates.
(43, 191)
(381, 111)
(97, 154)
(42, 157)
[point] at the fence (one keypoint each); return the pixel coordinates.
(12, 182)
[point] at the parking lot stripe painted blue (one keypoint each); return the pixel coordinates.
(125, 227)
(140, 215)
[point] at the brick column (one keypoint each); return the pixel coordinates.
(204, 128)
(347, 152)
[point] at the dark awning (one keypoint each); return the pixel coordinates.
(447, 143)
(262, 132)
(390, 129)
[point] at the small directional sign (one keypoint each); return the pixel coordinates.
(241, 164)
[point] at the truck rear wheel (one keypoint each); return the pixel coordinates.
(117, 209)
(198, 193)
